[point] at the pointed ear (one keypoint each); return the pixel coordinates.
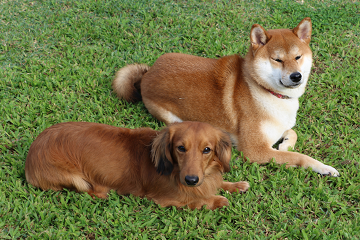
(258, 37)
(161, 152)
(223, 150)
(303, 30)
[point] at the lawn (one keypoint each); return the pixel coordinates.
(57, 61)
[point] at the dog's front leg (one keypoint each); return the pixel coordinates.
(167, 202)
(289, 139)
(211, 203)
(235, 187)
(263, 155)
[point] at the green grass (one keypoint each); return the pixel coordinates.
(57, 61)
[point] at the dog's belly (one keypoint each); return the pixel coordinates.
(188, 109)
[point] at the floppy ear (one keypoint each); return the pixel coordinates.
(258, 37)
(303, 30)
(223, 150)
(160, 152)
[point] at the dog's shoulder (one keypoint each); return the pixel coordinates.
(228, 67)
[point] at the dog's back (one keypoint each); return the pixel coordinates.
(78, 155)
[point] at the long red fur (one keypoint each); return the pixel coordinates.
(95, 158)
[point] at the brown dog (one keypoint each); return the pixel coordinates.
(180, 165)
(255, 98)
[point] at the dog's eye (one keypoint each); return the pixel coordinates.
(206, 150)
(298, 57)
(277, 60)
(181, 148)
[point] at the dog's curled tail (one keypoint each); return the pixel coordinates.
(127, 82)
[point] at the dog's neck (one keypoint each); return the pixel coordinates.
(278, 95)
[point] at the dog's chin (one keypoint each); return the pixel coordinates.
(291, 84)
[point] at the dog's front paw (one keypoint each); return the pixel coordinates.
(242, 186)
(235, 187)
(219, 202)
(327, 170)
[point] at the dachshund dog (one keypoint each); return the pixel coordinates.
(177, 166)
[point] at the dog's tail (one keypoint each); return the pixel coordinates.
(127, 82)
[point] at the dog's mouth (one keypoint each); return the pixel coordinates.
(291, 84)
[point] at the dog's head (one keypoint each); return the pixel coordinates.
(192, 147)
(282, 57)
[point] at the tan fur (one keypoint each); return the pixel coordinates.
(96, 158)
(129, 89)
(239, 95)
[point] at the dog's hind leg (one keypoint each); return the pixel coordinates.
(98, 191)
(161, 113)
(289, 140)
(80, 184)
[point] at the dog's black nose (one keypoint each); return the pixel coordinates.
(191, 180)
(295, 77)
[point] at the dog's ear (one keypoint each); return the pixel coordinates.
(258, 37)
(303, 30)
(223, 150)
(161, 152)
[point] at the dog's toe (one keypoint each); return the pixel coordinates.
(329, 171)
(242, 186)
(220, 202)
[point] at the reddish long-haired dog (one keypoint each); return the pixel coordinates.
(177, 166)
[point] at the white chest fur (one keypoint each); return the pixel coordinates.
(278, 115)
(281, 117)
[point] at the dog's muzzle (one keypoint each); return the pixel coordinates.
(191, 180)
(294, 80)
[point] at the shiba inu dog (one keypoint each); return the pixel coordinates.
(254, 99)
